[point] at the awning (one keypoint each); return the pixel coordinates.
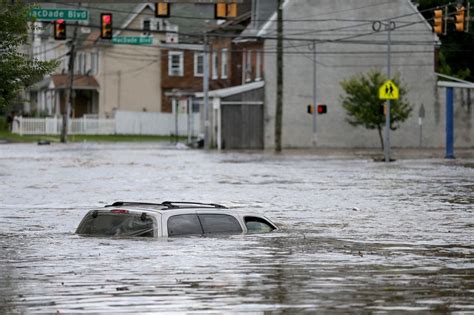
(81, 82)
(221, 93)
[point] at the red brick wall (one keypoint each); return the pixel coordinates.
(187, 82)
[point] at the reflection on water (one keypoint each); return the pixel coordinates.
(357, 236)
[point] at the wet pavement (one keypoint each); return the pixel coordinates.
(357, 236)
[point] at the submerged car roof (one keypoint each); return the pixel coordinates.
(166, 205)
(176, 206)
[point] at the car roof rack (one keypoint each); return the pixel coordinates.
(133, 203)
(168, 204)
(177, 204)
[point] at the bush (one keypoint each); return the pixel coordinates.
(3, 123)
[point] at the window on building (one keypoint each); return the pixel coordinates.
(224, 64)
(198, 64)
(94, 63)
(146, 26)
(159, 25)
(258, 66)
(215, 64)
(175, 63)
(83, 69)
(79, 63)
(248, 66)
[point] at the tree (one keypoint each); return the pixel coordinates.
(363, 106)
(17, 69)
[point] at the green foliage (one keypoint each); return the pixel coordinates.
(17, 69)
(363, 106)
(11, 137)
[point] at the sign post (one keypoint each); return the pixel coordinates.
(388, 91)
(421, 116)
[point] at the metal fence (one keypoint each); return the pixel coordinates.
(126, 123)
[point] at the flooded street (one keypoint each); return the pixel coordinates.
(356, 236)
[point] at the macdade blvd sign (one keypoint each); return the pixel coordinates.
(133, 40)
(59, 14)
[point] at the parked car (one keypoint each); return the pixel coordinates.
(168, 219)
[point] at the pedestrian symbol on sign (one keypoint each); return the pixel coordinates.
(389, 91)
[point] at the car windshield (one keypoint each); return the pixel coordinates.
(110, 224)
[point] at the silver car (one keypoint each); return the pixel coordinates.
(168, 219)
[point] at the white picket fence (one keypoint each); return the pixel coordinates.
(53, 125)
(125, 123)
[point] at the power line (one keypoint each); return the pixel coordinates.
(343, 39)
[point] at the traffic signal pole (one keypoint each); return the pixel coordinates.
(279, 87)
(315, 112)
(206, 93)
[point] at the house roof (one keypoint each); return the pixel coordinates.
(264, 11)
(266, 15)
(233, 90)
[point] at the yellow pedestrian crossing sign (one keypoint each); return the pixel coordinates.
(389, 91)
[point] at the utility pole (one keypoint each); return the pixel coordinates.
(315, 134)
(389, 26)
(206, 93)
(69, 98)
(279, 96)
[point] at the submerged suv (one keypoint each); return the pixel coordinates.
(168, 219)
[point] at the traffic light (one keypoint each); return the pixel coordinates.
(322, 109)
(310, 109)
(106, 26)
(162, 9)
(60, 29)
(225, 10)
(459, 19)
(438, 21)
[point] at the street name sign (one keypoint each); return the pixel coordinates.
(389, 91)
(132, 40)
(59, 14)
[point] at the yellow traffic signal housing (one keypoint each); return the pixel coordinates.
(106, 26)
(162, 9)
(459, 19)
(225, 10)
(310, 109)
(221, 10)
(60, 29)
(438, 21)
(232, 10)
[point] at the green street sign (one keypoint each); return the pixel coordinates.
(57, 14)
(132, 40)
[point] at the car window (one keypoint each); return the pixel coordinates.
(109, 224)
(258, 225)
(184, 224)
(219, 223)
